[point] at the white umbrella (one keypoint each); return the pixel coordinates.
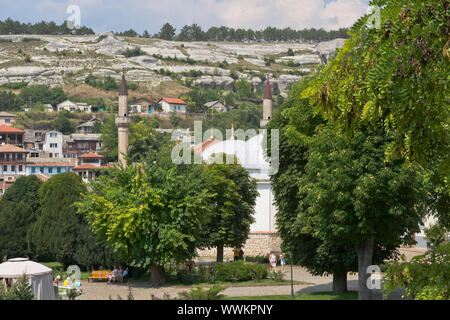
(40, 276)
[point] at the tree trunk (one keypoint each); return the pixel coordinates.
(157, 275)
(219, 254)
(340, 282)
(365, 256)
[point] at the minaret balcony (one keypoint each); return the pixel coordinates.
(123, 121)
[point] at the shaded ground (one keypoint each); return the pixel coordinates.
(311, 284)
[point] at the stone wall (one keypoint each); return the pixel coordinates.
(258, 243)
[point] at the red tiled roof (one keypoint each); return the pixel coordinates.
(9, 129)
(11, 148)
(199, 148)
(90, 166)
(91, 155)
(173, 101)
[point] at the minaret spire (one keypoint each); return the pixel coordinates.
(267, 105)
(123, 121)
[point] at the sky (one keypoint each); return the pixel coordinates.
(150, 15)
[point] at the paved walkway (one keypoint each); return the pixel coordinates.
(142, 291)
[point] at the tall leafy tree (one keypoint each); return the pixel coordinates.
(352, 196)
(19, 209)
(394, 75)
(234, 197)
(167, 32)
(297, 122)
(151, 214)
(60, 234)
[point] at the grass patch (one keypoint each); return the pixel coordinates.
(350, 295)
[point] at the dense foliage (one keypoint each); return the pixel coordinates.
(234, 197)
(59, 233)
(19, 209)
(394, 76)
(150, 214)
(239, 271)
(10, 26)
(22, 290)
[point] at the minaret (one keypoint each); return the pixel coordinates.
(122, 121)
(267, 106)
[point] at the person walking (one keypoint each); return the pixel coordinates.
(282, 261)
(273, 261)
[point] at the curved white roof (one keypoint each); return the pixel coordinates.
(250, 153)
(15, 268)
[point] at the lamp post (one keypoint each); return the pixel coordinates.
(292, 278)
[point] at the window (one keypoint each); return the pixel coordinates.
(20, 168)
(53, 145)
(7, 120)
(58, 170)
(41, 169)
(5, 168)
(13, 168)
(53, 134)
(50, 170)
(33, 170)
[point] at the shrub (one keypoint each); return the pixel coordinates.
(258, 259)
(276, 275)
(20, 290)
(27, 58)
(200, 293)
(133, 52)
(239, 271)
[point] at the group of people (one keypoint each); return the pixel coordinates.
(273, 261)
(117, 275)
(238, 254)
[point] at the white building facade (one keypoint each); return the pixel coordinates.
(53, 144)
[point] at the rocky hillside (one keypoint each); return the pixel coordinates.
(59, 60)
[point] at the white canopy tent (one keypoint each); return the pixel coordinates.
(40, 276)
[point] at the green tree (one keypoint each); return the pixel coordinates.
(297, 124)
(63, 124)
(351, 196)
(19, 209)
(167, 32)
(110, 139)
(151, 214)
(234, 197)
(9, 101)
(395, 76)
(425, 277)
(60, 234)
(22, 290)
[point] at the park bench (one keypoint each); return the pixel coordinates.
(99, 275)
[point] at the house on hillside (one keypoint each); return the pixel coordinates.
(88, 166)
(216, 105)
(78, 144)
(34, 143)
(87, 127)
(72, 107)
(10, 135)
(144, 106)
(49, 166)
(53, 144)
(172, 105)
(12, 165)
(7, 118)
